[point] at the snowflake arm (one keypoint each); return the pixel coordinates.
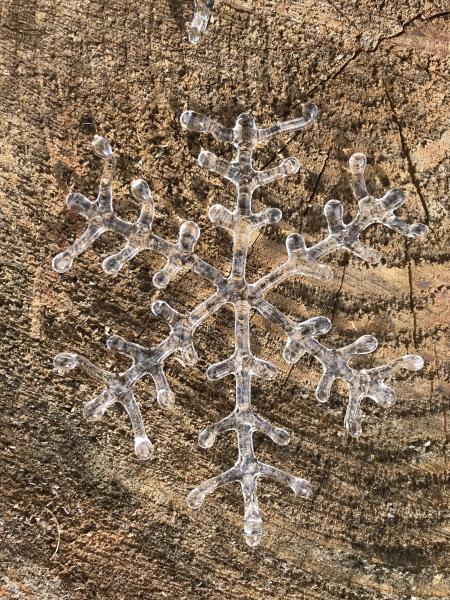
(370, 211)
(309, 111)
(101, 217)
(243, 365)
(299, 262)
(200, 123)
(303, 260)
(119, 386)
(364, 383)
(117, 389)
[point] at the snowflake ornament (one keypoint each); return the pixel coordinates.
(244, 296)
(200, 20)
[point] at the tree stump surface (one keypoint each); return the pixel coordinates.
(80, 516)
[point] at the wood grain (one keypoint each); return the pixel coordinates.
(378, 524)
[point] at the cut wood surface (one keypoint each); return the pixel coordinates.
(80, 516)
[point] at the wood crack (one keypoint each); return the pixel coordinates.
(411, 295)
(338, 293)
(319, 177)
(406, 153)
(445, 445)
(310, 93)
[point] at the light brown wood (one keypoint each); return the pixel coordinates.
(377, 526)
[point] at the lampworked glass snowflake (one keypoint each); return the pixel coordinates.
(244, 296)
(200, 20)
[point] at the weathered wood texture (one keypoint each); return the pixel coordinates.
(377, 527)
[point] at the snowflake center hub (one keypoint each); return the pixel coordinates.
(236, 289)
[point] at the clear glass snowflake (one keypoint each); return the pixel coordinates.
(244, 296)
(200, 20)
